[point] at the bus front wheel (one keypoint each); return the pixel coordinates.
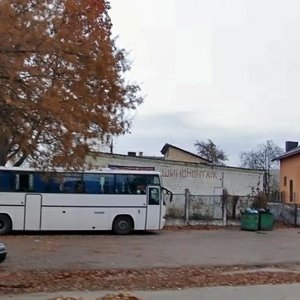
(122, 225)
(5, 224)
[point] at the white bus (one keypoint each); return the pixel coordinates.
(117, 200)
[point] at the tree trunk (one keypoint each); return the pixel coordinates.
(3, 154)
(235, 200)
(20, 161)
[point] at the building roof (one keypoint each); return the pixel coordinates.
(292, 152)
(154, 159)
(167, 146)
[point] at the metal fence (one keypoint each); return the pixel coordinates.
(190, 207)
(289, 213)
(195, 207)
(176, 208)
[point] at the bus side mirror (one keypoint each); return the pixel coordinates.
(169, 194)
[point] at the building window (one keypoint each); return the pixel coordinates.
(291, 191)
(284, 181)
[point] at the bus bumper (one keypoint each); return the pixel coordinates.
(163, 223)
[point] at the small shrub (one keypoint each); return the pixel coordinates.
(260, 201)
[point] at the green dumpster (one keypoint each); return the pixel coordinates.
(249, 221)
(266, 221)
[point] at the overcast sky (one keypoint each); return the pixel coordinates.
(225, 70)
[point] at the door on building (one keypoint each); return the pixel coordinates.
(32, 217)
(217, 201)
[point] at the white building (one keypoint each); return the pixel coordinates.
(183, 170)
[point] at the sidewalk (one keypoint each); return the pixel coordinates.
(272, 292)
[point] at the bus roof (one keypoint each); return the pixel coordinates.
(100, 171)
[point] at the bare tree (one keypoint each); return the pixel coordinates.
(62, 83)
(211, 152)
(262, 158)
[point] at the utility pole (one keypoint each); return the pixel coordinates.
(111, 145)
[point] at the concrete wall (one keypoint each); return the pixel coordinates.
(199, 179)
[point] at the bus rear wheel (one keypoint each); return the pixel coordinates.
(5, 224)
(122, 225)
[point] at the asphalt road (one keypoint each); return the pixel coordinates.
(163, 249)
(67, 251)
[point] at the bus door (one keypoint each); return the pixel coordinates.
(153, 207)
(32, 217)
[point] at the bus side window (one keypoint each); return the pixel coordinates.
(72, 183)
(138, 184)
(24, 182)
(92, 187)
(122, 186)
(54, 186)
(92, 184)
(109, 184)
(7, 181)
(79, 187)
(69, 187)
(41, 183)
